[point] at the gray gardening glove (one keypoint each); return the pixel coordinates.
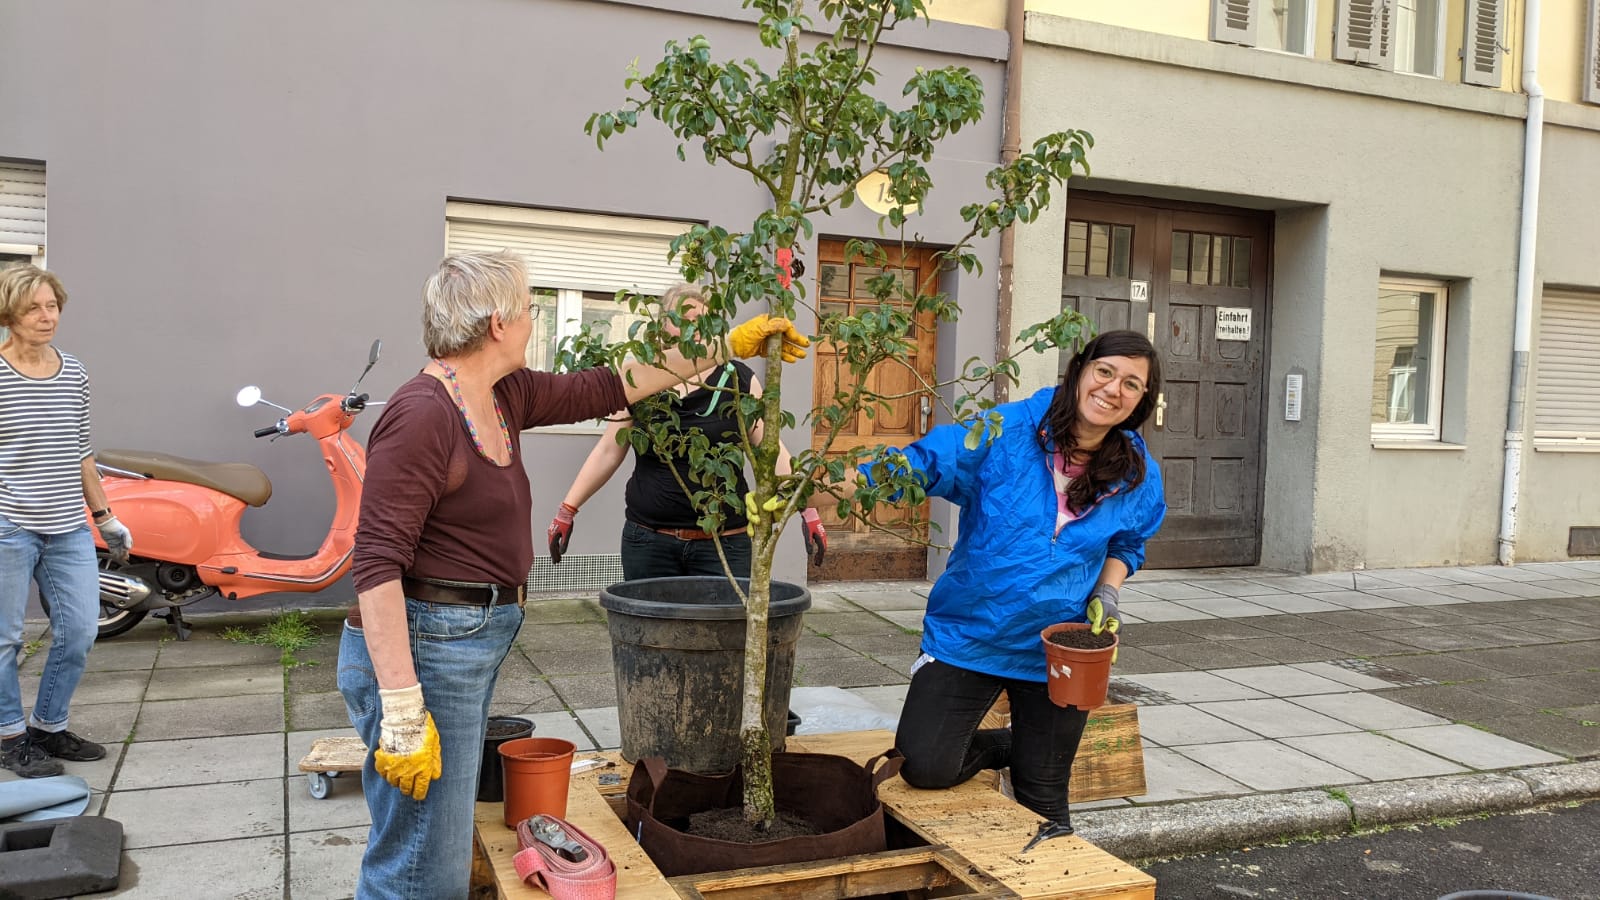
(119, 540)
(1101, 609)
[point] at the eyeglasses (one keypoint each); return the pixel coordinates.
(1103, 373)
(533, 311)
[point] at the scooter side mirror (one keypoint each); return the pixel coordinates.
(248, 396)
(377, 347)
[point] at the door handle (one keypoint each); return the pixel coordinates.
(1161, 408)
(927, 414)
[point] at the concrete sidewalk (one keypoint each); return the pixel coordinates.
(1271, 705)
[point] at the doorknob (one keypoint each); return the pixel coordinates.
(1161, 408)
(927, 414)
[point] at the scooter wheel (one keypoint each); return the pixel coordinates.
(319, 785)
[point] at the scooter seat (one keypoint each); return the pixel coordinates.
(241, 480)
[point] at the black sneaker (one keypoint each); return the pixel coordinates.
(22, 756)
(66, 745)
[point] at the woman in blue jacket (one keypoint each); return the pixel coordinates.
(1055, 513)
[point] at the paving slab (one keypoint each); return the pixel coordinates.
(1418, 800)
(1442, 667)
(210, 717)
(1463, 637)
(120, 655)
(1374, 757)
(856, 672)
(817, 647)
(1295, 603)
(1220, 630)
(1174, 590)
(214, 651)
(1293, 626)
(1423, 615)
(1355, 600)
(1455, 702)
(584, 691)
(1344, 676)
(324, 865)
(562, 725)
(590, 637)
(603, 726)
(1268, 765)
(1562, 630)
(195, 813)
(1472, 747)
(158, 764)
(1293, 584)
(1359, 643)
(1226, 607)
(344, 806)
(560, 611)
(1284, 681)
(1134, 661)
(891, 698)
(908, 619)
(1174, 633)
(1549, 659)
(320, 710)
(1274, 718)
(1238, 587)
(1530, 590)
(1162, 611)
(98, 774)
(1404, 577)
(1473, 593)
(251, 868)
(1169, 775)
(1180, 725)
(1534, 692)
(1369, 712)
(889, 642)
(576, 662)
(829, 624)
(1288, 649)
(1205, 655)
(828, 601)
(1194, 687)
(881, 601)
(1557, 734)
(1414, 596)
(93, 687)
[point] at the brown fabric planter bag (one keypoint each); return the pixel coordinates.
(837, 795)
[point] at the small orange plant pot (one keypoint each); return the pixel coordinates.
(537, 771)
(1077, 677)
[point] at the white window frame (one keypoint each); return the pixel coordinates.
(1429, 430)
(554, 232)
(1443, 7)
(1309, 38)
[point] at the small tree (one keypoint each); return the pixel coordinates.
(830, 130)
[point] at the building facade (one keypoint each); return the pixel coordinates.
(1314, 206)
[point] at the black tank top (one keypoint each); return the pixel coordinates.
(653, 496)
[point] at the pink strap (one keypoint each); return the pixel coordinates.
(594, 878)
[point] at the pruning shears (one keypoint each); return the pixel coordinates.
(1048, 830)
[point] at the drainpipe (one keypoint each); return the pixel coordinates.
(1521, 342)
(1010, 149)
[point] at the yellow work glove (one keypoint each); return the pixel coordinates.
(753, 509)
(408, 744)
(750, 338)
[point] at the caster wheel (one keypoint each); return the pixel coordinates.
(319, 785)
(334, 774)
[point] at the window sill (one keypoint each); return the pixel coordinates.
(584, 428)
(1584, 446)
(1403, 444)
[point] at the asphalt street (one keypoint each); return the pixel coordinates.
(1548, 853)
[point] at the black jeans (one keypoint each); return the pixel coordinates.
(647, 553)
(943, 745)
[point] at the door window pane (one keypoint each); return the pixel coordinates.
(1077, 248)
(1180, 257)
(1240, 273)
(834, 279)
(542, 345)
(1099, 249)
(1121, 250)
(1200, 260)
(1221, 250)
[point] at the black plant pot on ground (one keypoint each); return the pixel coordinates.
(678, 651)
(491, 779)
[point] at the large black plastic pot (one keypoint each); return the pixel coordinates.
(491, 782)
(677, 648)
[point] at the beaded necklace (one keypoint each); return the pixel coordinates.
(461, 406)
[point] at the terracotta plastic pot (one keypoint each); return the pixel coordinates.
(537, 771)
(1077, 677)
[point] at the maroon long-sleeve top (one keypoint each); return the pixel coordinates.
(432, 507)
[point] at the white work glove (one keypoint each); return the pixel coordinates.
(408, 754)
(119, 540)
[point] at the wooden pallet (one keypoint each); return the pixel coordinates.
(1110, 761)
(973, 836)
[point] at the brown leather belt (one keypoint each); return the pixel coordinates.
(452, 594)
(695, 534)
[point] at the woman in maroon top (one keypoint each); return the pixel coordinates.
(443, 551)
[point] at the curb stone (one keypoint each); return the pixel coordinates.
(1199, 826)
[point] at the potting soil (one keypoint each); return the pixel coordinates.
(729, 825)
(1083, 639)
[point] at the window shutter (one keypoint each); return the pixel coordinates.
(22, 204)
(1234, 21)
(1591, 57)
(1480, 48)
(571, 250)
(1365, 33)
(1567, 393)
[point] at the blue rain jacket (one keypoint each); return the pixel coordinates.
(1010, 575)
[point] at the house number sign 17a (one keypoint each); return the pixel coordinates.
(1233, 323)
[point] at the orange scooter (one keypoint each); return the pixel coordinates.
(184, 516)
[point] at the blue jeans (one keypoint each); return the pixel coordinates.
(64, 567)
(423, 849)
(647, 553)
(944, 746)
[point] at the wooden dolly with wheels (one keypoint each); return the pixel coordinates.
(329, 757)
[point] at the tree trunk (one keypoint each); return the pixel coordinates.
(754, 738)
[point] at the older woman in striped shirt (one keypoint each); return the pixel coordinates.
(47, 476)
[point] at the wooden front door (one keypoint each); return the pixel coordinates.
(1196, 282)
(856, 551)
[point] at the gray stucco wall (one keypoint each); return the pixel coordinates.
(249, 193)
(1561, 489)
(1369, 173)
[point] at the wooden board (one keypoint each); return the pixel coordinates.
(970, 823)
(335, 754)
(1110, 760)
(989, 830)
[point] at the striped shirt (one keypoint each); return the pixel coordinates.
(44, 438)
